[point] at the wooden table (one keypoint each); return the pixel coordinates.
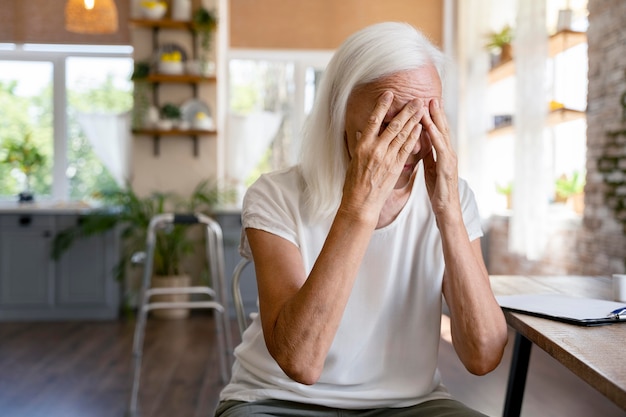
(596, 354)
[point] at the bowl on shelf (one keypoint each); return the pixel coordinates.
(203, 121)
(171, 67)
(197, 67)
(153, 9)
(170, 59)
(165, 124)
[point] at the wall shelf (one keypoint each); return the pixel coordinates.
(554, 117)
(557, 43)
(158, 133)
(157, 79)
(181, 78)
(162, 23)
(564, 40)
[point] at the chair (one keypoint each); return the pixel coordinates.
(240, 312)
(216, 301)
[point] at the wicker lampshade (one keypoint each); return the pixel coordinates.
(91, 16)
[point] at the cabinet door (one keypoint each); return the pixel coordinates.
(26, 269)
(84, 274)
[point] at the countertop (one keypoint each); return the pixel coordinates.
(46, 207)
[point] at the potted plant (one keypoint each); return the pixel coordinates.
(130, 213)
(26, 157)
(507, 191)
(171, 116)
(499, 44)
(204, 24)
(570, 190)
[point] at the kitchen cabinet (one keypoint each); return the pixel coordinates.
(33, 286)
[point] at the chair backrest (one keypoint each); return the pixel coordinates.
(240, 312)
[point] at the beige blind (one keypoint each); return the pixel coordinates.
(43, 21)
(324, 24)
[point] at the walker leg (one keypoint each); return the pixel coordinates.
(137, 357)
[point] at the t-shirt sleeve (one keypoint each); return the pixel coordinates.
(268, 207)
(471, 216)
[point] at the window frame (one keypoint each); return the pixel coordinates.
(58, 56)
(301, 59)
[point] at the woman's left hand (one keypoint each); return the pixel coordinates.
(441, 174)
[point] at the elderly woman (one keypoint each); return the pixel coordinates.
(354, 247)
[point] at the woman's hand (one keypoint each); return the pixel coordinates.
(441, 174)
(379, 155)
(479, 331)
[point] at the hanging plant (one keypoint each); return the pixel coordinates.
(204, 24)
(139, 76)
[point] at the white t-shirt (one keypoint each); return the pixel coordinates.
(385, 351)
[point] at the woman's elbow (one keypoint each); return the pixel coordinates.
(483, 366)
(487, 357)
(304, 369)
(300, 371)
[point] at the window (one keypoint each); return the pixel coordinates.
(270, 95)
(43, 90)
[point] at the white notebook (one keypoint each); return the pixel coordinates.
(569, 309)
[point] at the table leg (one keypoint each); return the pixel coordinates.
(517, 376)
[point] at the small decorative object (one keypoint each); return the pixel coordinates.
(564, 21)
(507, 191)
(152, 117)
(203, 121)
(198, 67)
(198, 114)
(502, 120)
(570, 189)
(171, 59)
(499, 43)
(181, 10)
(619, 287)
(171, 63)
(171, 113)
(152, 9)
(25, 156)
(204, 24)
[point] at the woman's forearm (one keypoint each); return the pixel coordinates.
(478, 327)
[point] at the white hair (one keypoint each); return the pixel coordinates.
(374, 52)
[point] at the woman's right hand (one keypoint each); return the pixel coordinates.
(379, 154)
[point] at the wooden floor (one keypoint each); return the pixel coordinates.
(82, 369)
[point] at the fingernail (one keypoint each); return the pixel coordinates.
(358, 135)
(436, 103)
(386, 97)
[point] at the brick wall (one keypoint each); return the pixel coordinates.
(597, 244)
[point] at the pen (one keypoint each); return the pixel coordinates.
(617, 314)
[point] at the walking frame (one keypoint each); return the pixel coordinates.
(216, 294)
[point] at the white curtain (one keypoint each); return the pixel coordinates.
(527, 233)
(249, 136)
(109, 135)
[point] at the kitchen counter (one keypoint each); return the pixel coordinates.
(80, 285)
(46, 207)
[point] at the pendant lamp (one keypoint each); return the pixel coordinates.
(91, 16)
